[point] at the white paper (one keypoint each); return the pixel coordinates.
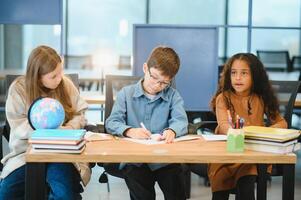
(92, 136)
(215, 137)
(153, 141)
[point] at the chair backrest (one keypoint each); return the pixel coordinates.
(286, 92)
(78, 61)
(6, 128)
(296, 63)
(74, 79)
(124, 62)
(275, 60)
(113, 84)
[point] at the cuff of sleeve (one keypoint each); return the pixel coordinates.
(122, 129)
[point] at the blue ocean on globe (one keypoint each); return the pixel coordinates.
(46, 113)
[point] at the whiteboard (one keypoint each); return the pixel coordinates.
(197, 47)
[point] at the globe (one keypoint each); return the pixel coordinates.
(46, 113)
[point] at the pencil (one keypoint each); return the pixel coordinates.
(230, 119)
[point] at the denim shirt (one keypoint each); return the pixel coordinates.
(132, 107)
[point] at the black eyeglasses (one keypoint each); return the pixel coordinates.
(162, 83)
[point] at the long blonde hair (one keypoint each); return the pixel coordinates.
(43, 60)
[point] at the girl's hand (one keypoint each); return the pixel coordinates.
(168, 135)
(66, 127)
(138, 133)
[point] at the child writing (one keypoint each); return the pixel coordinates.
(147, 107)
(244, 90)
(44, 78)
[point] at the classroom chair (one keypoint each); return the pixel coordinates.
(296, 64)
(275, 60)
(113, 83)
(124, 62)
(286, 92)
(81, 62)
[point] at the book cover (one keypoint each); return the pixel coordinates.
(268, 142)
(64, 142)
(72, 151)
(269, 132)
(59, 146)
(58, 134)
(272, 148)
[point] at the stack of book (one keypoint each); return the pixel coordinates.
(58, 140)
(273, 140)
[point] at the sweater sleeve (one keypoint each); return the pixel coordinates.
(279, 122)
(221, 116)
(16, 113)
(20, 130)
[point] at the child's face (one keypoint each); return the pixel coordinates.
(154, 82)
(241, 78)
(52, 79)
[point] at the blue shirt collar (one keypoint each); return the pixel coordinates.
(140, 92)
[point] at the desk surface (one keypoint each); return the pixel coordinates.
(84, 75)
(93, 97)
(196, 151)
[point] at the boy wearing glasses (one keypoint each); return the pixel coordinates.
(160, 109)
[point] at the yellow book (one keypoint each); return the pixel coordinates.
(271, 133)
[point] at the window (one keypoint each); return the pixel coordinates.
(238, 12)
(271, 39)
(210, 12)
(103, 29)
(19, 40)
(276, 13)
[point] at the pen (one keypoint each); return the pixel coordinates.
(242, 121)
(142, 125)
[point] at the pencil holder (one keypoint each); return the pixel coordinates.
(235, 140)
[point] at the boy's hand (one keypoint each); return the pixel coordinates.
(138, 133)
(168, 135)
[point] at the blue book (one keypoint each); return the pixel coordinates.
(58, 134)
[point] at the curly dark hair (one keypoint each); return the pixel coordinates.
(262, 88)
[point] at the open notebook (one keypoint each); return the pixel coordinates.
(154, 140)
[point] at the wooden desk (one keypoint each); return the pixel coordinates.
(93, 97)
(197, 151)
(83, 74)
(284, 99)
